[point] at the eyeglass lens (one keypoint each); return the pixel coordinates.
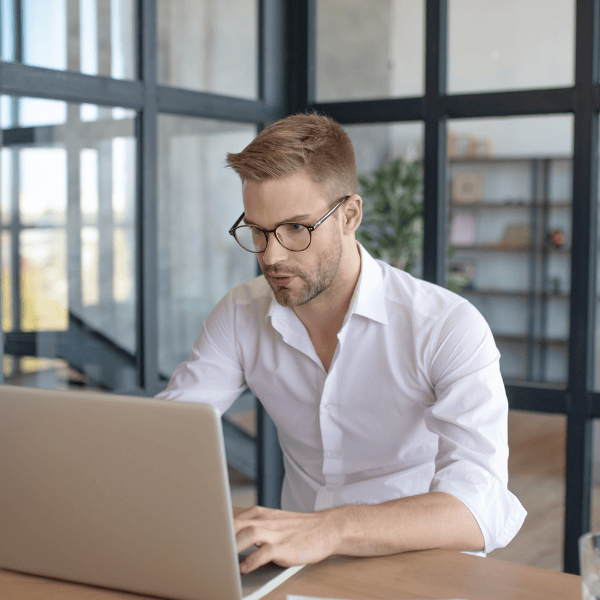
(291, 235)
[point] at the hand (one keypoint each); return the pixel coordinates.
(285, 538)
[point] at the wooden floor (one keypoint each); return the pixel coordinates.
(537, 445)
(536, 477)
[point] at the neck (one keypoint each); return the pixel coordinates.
(326, 312)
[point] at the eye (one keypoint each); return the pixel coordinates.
(293, 227)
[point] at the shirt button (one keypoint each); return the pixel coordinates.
(331, 454)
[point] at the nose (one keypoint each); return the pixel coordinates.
(275, 252)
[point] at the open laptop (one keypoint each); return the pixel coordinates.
(120, 492)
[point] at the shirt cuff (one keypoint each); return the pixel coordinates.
(497, 511)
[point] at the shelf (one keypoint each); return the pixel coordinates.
(510, 204)
(490, 292)
(460, 160)
(507, 248)
(550, 385)
(523, 339)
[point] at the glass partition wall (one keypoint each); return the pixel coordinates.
(68, 228)
(115, 119)
(114, 114)
(509, 162)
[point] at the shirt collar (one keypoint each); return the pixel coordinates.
(369, 295)
(368, 299)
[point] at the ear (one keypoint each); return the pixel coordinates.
(351, 214)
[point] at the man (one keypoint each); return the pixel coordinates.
(385, 389)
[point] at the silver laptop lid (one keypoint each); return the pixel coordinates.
(122, 492)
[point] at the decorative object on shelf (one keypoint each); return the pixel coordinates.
(461, 145)
(516, 236)
(556, 285)
(467, 187)
(463, 229)
(463, 272)
(482, 148)
(392, 227)
(555, 238)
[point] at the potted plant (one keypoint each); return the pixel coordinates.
(392, 228)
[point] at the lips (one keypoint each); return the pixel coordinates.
(281, 280)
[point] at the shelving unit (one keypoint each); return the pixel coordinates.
(521, 286)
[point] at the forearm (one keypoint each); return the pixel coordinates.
(433, 520)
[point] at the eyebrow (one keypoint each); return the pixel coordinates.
(293, 219)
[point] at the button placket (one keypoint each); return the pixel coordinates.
(330, 434)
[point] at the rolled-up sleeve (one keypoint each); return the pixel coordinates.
(213, 374)
(469, 416)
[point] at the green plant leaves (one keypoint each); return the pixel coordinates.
(392, 227)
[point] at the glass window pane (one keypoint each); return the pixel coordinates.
(123, 175)
(596, 363)
(43, 280)
(510, 45)
(209, 45)
(539, 484)
(199, 200)
(44, 34)
(124, 263)
(6, 266)
(90, 286)
(6, 119)
(595, 508)
(7, 30)
(369, 49)
(198, 261)
(68, 244)
(89, 185)
(5, 186)
(31, 112)
(7, 366)
(377, 147)
(43, 199)
(510, 228)
(96, 37)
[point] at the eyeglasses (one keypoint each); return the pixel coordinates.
(293, 236)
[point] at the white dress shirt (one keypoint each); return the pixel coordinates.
(413, 401)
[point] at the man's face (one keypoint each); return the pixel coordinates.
(295, 277)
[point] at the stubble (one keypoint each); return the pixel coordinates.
(314, 282)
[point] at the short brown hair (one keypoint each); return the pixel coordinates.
(311, 143)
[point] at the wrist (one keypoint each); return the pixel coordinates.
(341, 524)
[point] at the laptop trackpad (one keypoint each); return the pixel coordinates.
(264, 579)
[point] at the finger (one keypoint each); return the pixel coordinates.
(253, 535)
(248, 513)
(240, 524)
(252, 514)
(260, 512)
(257, 559)
(265, 516)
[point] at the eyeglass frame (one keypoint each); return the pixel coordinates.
(310, 228)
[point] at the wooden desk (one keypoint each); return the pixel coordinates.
(433, 574)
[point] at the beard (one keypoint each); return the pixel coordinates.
(314, 282)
